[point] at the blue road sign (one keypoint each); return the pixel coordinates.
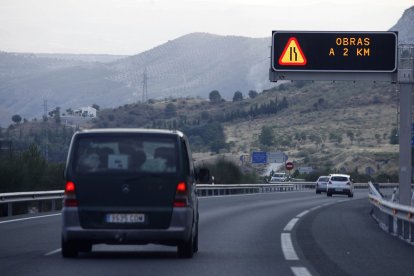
(259, 157)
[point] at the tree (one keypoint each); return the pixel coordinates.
(55, 113)
(215, 97)
(253, 94)
(394, 137)
(170, 110)
(238, 96)
(350, 135)
(69, 111)
(16, 119)
(266, 136)
(96, 107)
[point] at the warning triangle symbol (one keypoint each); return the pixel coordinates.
(292, 54)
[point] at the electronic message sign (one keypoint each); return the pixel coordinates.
(334, 51)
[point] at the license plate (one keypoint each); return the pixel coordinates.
(125, 218)
(338, 190)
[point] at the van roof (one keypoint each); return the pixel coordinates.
(338, 174)
(132, 130)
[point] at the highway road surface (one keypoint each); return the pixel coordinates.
(283, 233)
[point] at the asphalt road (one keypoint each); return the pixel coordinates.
(239, 235)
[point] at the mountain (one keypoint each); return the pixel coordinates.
(196, 64)
(191, 65)
(405, 27)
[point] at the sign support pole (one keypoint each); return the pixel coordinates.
(406, 83)
(406, 100)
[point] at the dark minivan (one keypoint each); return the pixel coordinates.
(129, 186)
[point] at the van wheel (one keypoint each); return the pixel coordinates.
(328, 194)
(186, 249)
(69, 248)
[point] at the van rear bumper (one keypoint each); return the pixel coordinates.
(179, 230)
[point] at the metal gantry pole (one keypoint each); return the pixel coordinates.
(406, 85)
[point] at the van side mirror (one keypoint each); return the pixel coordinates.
(203, 175)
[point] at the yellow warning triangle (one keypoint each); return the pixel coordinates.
(292, 54)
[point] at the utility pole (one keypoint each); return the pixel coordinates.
(45, 131)
(145, 86)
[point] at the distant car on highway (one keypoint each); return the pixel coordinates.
(321, 184)
(278, 177)
(340, 184)
(130, 186)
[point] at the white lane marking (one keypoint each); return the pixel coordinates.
(302, 214)
(287, 247)
(315, 208)
(291, 224)
(300, 271)
(21, 219)
(53, 252)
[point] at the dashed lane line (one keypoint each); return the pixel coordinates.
(53, 252)
(287, 245)
(21, 219)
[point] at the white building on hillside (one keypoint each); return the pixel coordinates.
(87, 111)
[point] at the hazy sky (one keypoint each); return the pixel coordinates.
(133, 26)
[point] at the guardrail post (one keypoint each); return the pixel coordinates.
(399, 227)
(9, 209)
(412, 232)
(406, 233)
(390, 224)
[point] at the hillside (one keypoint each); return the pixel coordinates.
(405, 27)
(343, 126)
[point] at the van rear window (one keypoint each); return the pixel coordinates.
(339, 178)
(147, 154)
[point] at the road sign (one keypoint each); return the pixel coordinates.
(334, 51)
(289, 166)
(259, 157)
(276, 157)
(292, 54)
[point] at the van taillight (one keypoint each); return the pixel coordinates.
(181, 195)
(70, 196)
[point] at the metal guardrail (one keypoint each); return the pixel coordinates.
(394, 218)
(229, 189)
(30, 202)
(26, 202)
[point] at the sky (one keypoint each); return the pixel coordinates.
(128, 27)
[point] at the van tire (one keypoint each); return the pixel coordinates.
(69, 249)
(185, 249)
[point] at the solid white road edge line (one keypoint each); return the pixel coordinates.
(21, 219)
(53, 252)
(300, 271)
(291, 224)
(287, 247)
(302, 214)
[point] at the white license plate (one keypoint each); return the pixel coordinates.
(125, 218)
(338, 190)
